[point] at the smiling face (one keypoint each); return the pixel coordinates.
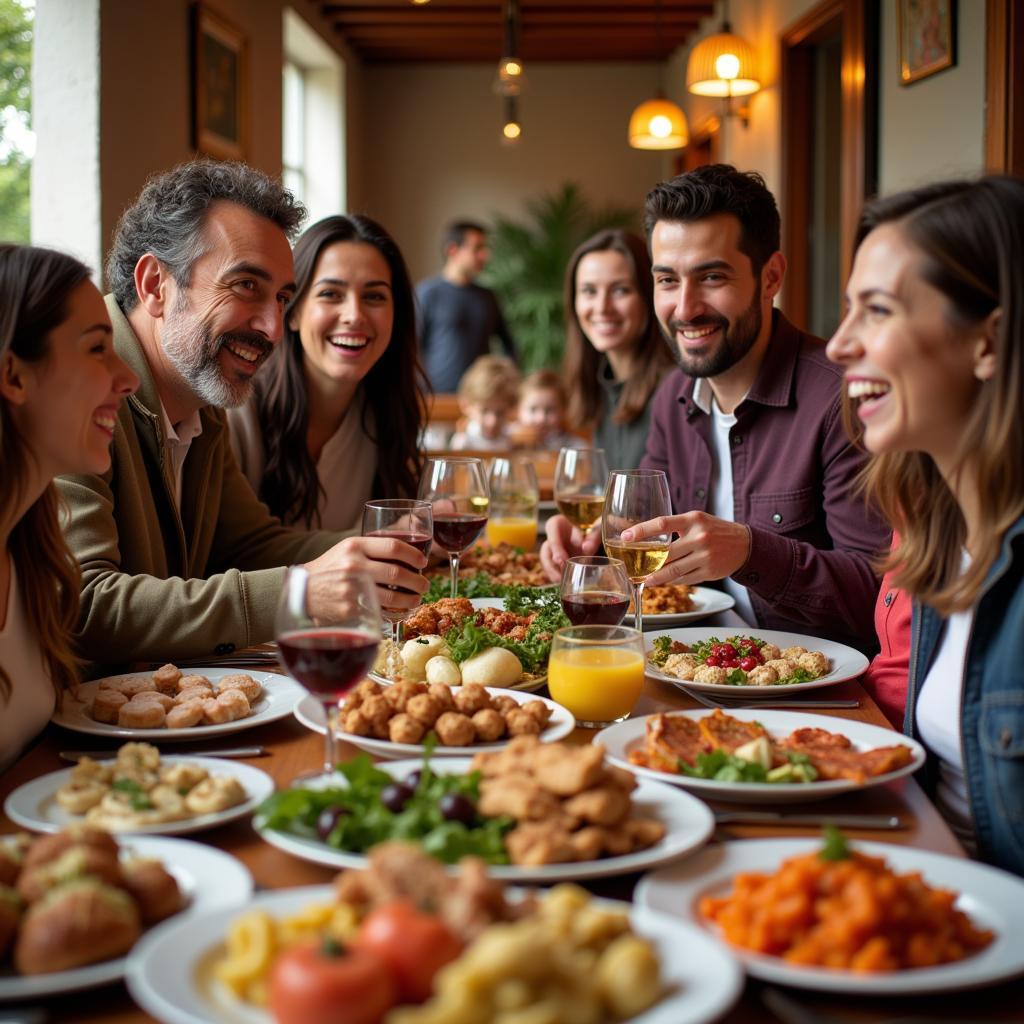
(71, 396)
(218, 331)
(608, 303)
(346, 316)
(911, 371)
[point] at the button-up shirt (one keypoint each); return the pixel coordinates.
(812, 538)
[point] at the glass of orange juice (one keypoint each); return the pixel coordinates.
(597, 672)
(514, 499)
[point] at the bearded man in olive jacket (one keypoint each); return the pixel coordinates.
(179, 558)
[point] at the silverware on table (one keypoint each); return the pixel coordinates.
(74, 756)
(745, 817)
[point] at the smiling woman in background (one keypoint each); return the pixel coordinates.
(933, 348)
(615, 355)
(61, 385)
(337, 410)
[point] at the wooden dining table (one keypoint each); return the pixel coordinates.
(292, 750)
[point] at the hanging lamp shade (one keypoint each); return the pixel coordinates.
(658, 124)
(722, 65)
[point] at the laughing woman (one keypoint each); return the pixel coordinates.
(60, 388)
(339, 406)
(933, 346)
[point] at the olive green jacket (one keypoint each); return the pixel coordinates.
(159, 584)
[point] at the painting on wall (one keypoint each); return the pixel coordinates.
(926, 37)
(220, 86)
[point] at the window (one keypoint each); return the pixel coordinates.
(294, 128)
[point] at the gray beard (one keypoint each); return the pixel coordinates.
(737, 340)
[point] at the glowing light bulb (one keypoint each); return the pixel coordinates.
(512, 68)
(512, 130)
(660, 126)
(727, 65)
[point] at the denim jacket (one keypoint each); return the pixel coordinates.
(992, 703)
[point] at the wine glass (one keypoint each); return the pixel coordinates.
(515, 496)
(595, 590)
(412, 522)
(635, 496)
(332, 650)
(597, 672)
(580, 478)
(457, 489)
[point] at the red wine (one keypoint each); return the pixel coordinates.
(594, 608)
(455, 532)
(328, 661)
(420, 541)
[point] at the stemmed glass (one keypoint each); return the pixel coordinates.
(595, 590)
(515, 496)
(457, 489)
(408, 520)
(330, 650)
(581, 475)
(635, 496)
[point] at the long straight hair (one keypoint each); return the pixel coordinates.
(970, 236)
(582, 362)
(394, 410)
(35, 285)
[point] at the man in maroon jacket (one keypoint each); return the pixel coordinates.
(750, 431)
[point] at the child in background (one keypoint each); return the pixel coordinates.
(542, 403)
(488, 393)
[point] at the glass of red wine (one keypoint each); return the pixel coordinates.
(595, 590)
(328, 629)
(456, 486)
(408, 520)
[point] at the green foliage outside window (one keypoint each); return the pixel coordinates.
(15, 115)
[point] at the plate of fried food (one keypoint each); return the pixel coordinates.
(758, 663)
(672, 604)
(74, 903)
(427, 947)
(535, 811)
(761, 756)
(486, 571)
(169, 704)
(863, 918)
(140, 792)
(395, 721)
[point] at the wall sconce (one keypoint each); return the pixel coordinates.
(511, 130)
(658, 124)
(724, 65)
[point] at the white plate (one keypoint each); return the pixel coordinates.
(689, 823)
(34, 804)
(280, 695)
(992, 898)
(170, 975)
(620, 739)
(209, 879)
(846, 662)
(310, 712)
(707, 601)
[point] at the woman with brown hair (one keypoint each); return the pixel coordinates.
(615, 355)
(61, 385)
(933, 350)
(338, 409)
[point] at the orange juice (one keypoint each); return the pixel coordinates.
(597, 684)
(519, 531)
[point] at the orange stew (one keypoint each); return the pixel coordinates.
(854, 913)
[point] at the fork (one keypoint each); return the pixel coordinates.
(739, 702)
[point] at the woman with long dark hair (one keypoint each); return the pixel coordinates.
(61, 385)
(933, 350)
(615, 354)
(338, 408)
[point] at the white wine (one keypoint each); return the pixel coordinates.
(582, 510)
(641, 559)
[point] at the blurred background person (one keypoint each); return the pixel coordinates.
(457, 316)
(61, 385)
(540, 417)
(488, 393)
(336, 412)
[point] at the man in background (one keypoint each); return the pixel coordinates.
(457, 317)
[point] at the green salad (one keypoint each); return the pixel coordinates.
(724, 767)
(436, 811)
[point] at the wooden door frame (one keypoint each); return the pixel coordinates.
(858, 172)
(1004, 87)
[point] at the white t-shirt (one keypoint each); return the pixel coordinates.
(30, 704)
(938, 721)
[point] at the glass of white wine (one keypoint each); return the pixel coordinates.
(581, 476)
(635, 496)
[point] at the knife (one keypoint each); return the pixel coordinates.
(744, 817)
(852, 703)
(74, 756)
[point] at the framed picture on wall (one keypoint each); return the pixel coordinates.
(927, 40)
(220, 86)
